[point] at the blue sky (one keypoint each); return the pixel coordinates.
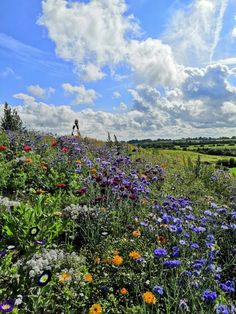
(139, 69)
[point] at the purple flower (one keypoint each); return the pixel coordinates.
(40, 242)
(172, 263)
(175, 251)
(7, 306)
(222, 309)
(228, 286)
(2, 253)
(44, 278)
(194, 246)
(160, 252)
(209, 296)
(158, 290)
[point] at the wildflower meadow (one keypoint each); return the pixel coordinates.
(89, 227)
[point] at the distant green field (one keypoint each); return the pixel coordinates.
(233, 170)
(192, 155)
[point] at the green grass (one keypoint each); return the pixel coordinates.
(189, 154)
(233, 170)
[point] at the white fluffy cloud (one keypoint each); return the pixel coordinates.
(116, 95)
(39, 92)
(82, 95)
(99, 33)
(91, 34)
(194, 31)
(209, 83)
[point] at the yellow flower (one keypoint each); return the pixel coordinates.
(149, 297)
(136, 233)
(117, 260)
(95, 309)
(64, 277)
(123, 291)
(78, 161)
(93, 171)
(88, 278)
(134, 255)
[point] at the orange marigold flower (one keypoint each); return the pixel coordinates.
(97, 260)
(28, 160)
(123, 291)
(117, 260)
(88, 278)
(64, 277)
(161, 239)
(95, 309)
(149, 297)
(136, 233)
(93, 171)
(134, 255)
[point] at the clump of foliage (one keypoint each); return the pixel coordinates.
(11, 119)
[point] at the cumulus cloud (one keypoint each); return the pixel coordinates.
(206, 99)
(99, 34)
(116, 95)
(123, 106)
(39, 92)
(82, 95)
(210, 82)
(89, 34)
(153, 63)
(194, 31)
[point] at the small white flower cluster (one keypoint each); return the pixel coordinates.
(19, 299)
(76, 211)
(20, 159)
(50, 259)
(5, 202)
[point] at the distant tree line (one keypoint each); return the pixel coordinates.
(11, 120)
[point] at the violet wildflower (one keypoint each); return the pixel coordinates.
(44, 278)
(222, 309)
(159, 252)
(209, 296)
(158, 290)
(7, 306)
(172, 263)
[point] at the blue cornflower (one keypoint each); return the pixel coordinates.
(211, 238)
(199, 229)
(209, 296)
(159, 252)
(222, 309)
(228, 286)
(158, 290)
(194, 245)
(175, 251)
(172, 263)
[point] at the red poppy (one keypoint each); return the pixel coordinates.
(65, 150)
(54, 144)
(27, 148)
(2, 147)
(61, 185)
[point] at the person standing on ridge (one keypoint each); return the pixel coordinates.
(76, 126)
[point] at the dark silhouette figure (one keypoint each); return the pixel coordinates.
(76, 128)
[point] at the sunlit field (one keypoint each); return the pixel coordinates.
(95, 227)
